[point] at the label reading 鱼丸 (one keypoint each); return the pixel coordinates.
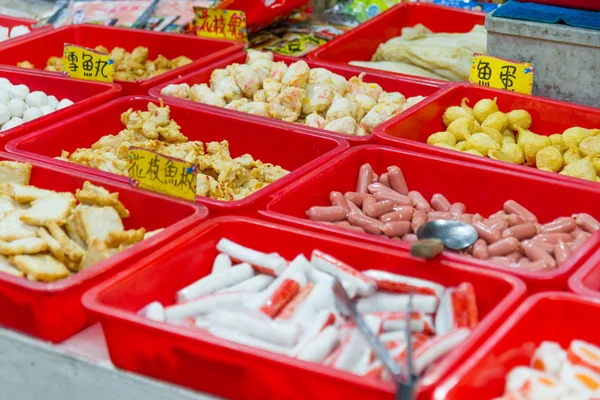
(500, 73)
(89, 64)
(221, 24)
(150, 170)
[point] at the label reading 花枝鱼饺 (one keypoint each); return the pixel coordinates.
(220, 24)
(150, 170)
(89, 64)
(500, 73)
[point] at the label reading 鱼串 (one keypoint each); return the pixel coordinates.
(89, 64)
(500, 73)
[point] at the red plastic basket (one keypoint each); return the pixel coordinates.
(53, 311)
(583, 4)
(192, 358)
(411, 130)
(482, 189)
(408, 87)
(11, 22)
(37, 49)
(84, 94)
(361, 43)
(586, 280)
(297, 150)
(559, 317)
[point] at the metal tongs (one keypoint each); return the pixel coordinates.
(405, 383)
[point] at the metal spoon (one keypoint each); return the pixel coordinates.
(455, 235)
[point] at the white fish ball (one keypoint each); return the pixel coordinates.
(32, 114)
(16, 107)
(5, 84)
(46, 109)
(64, 103)
(36, 99)
(19, 92)
(53, 102)
(4, 96)
(11, 124)
(4, 114)
(19, 30)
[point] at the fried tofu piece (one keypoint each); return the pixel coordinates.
(72, 231)
(40, 267)
(27, 194)
(15, 172)
(23, 246)
(7, 205)
(12, 228)
(49, 209)
(97, 252)
(125, 238)
(53, 246)
(7, 268)
(97, 223)
(94, 195)
(148, 235)
(73, 251)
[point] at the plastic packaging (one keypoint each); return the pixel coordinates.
(458, 182)
(54, 311)
(298, 151)
(558, 317)
(240, 372)
(260, 14)
(39, 48)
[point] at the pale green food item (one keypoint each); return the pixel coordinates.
(531, 143)
(590, 145)
(574, 136)
(498, 121)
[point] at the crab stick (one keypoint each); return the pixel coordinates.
(396, 303)
(317, 350)
(354, 348)
(458, 309)
(216, 281)
(549, 357)
(252, 285)
(320, 298)
(285, 292)
(203, 305)
(153, 311)
(403, 284)
(352, 280)
(222, 263)
(321, 321)
(237, 337)
(396, 321)
(437, 347)
(290, 308)
(261, 262)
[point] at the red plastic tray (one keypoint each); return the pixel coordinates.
(297, 150)
(53, 311)
(411, 130)
(10, 22)
(559, 317)
(583, 4)
(84, 94)
(482, 189)
(37, 49)
(408, 87)
(361, 43)
(586, 280)
(192, 358)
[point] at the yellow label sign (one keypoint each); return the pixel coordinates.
(502, 74)
(221, 24)
(150, 170)
(300, 46)
(89, 64)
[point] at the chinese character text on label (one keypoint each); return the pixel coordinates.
(83, 63)
(222, 24)
(502, 74)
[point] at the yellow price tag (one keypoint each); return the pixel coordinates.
(500, 73)
(300, 46)
(89, 64)
(150, 170)
(221, 24)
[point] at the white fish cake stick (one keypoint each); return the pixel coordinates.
(222, 263)
(353, 281)
(203, 305)
(396, 303)
(321, 346)
(261, 262)
(404, 284)
(320, 298)
(213, 282)
(252, 285)
(263, 328)
(241, 338)
(351, 352)
(153, 311)
(394, 321)
(436, 348)
(320, 322)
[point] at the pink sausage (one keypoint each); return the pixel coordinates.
(399, 214)
(562, 252)
(368, 204)
(477, 218)
(354, 207)
(440, 203)
(496, 224)
(576, 232)
(397, 181)
(466, 218)
(536, 266)
(418, 219)
(398, 228)
(546, 246)
(514, 257)
(328, 214)
(539, 228)
(457, 209)
(579, 241)
(501, 260)
(410, 237)
(498, 214)
(512, 207)
(355, 228)
(553, 238)
(560, 225)
(420, 202)
(435, 215)
(384, 180)
(369, 224)
(365, 178)
(398, 199)
(375, 178)
(356, 198)
(376, 187)
(587, 222)
(380, 208)
(342, 223)
(521, 231)
(338, 199)
(480, 250)
(504, 247)
(514, 219)
(487, 233)
(534, 253)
